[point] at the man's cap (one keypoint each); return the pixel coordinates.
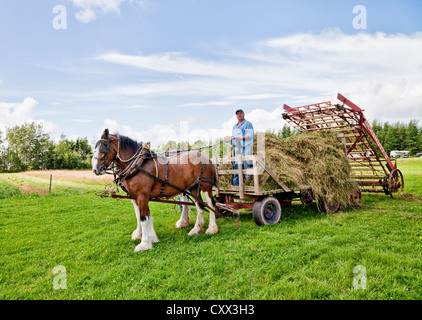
(239, 110)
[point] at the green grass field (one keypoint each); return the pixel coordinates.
(308, 255)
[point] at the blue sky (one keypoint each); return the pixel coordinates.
(178, 69)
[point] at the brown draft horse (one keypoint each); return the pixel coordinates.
(142, 168)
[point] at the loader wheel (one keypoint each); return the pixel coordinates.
(395, 183)
(267, 211)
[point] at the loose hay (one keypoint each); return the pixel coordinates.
(309, 160)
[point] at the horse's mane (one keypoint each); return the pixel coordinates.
(133, 144)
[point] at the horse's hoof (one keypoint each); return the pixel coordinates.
(212, 230)
(182, 224)
(154, 239)
(195, 231)
(143, 246)
(136, 235)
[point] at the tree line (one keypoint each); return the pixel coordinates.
(28, 147)
(399, 136)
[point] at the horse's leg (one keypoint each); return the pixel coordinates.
(199, 224)
(137, 234)
(151, 232)
(148, 233)
(212, 226)
(184, 220)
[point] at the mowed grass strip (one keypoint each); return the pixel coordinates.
(308, 255)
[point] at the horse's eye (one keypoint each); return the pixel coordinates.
(103, 149)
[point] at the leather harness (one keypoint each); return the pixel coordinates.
(145, 153)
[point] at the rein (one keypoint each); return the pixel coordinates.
(134, 167)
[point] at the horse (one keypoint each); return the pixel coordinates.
(144, 175)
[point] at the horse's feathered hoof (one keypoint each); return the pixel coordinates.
(143, 246)
(195, 231)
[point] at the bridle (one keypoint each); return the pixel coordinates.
(104, 149)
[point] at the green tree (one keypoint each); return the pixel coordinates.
(169, 145)
(285, 132)
(411, 137)
(29, 144)
(2, 152)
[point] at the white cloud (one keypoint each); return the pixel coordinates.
(89, 9)
(208, 103)
(18, 113)
(156, 134)
(380, 71)
(181, 131)
(264, 120)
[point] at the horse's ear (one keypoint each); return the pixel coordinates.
(105, 134)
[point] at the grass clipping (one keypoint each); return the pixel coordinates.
(308, 161)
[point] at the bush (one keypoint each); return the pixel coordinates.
(8, 190)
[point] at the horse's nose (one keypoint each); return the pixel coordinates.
(95, 170)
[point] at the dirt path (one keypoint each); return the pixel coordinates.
(27, 189)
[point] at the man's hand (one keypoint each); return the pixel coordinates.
(227, 140)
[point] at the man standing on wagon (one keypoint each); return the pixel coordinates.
(242, 140)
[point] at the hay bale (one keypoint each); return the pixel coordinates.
(309, 160)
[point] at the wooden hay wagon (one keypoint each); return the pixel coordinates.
(266, 205)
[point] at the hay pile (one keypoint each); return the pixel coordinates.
(310, 160)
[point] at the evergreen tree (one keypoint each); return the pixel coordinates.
(411, 137)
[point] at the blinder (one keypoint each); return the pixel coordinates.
(104, 148)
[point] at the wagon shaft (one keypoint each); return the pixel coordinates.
(371, 167)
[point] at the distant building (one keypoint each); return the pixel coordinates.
(399, 154)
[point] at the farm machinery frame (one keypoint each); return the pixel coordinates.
(372, 168)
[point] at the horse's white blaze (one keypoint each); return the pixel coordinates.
(212, 226)
(137, 234)
(94, 159)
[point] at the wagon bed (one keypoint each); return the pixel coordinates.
(265, 204)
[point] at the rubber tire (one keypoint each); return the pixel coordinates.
(266, 211)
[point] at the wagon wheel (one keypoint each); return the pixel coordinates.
(356, 197)
(328, 207)
(395, 183)
(267, 211)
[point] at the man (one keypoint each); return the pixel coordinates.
(242, 140)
